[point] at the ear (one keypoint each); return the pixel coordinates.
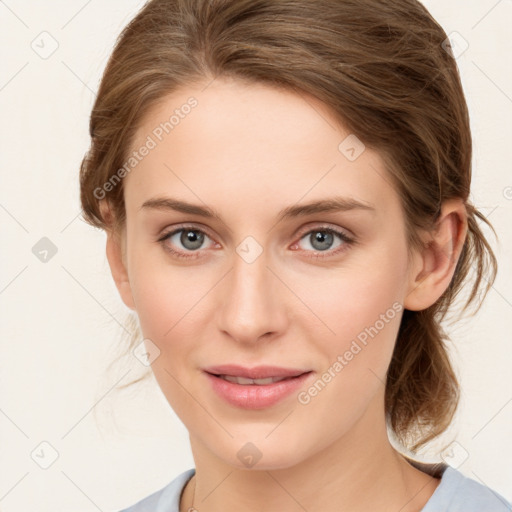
(434, 265)
(116, 257)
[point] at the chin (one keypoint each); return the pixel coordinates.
(260, 452)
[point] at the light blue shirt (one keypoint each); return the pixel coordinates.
(455, 493)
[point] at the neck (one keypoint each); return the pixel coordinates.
(358, 472)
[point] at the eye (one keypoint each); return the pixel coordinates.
(324, 239)
(186, 239)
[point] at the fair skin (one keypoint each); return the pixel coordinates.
(249, 151)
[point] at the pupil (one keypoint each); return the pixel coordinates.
(322, 240)
(191, 239)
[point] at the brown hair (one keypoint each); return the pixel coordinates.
(385, 70)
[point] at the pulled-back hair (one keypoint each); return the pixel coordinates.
(386, 72)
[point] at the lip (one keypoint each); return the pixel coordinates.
(254, 396)
(256, 372)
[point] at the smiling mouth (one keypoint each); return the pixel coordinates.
(269, 386)
(244, 381)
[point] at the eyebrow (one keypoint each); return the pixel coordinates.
(333, 204)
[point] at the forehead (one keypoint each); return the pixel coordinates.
(244, 144)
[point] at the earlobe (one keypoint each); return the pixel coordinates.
(116, 261)
(434, 266)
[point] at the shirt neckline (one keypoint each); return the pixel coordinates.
(435, 470)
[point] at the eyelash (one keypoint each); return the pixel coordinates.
(347, 241)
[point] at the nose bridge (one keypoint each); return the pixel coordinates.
(251, 303)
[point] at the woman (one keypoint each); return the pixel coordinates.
(285, 188)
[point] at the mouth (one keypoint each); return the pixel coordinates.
(255, 388)
(244, 381)
(259, 375)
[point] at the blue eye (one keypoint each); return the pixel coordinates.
(322, 240)
(191, 239)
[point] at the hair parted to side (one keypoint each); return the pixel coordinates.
(382, 69)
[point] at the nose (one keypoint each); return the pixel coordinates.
(252, 303)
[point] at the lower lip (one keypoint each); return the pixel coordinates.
(253, 396)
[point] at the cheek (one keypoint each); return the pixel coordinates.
(362, 306)
(167, 295)
(358, 295)
(168, 304)
(170, 307)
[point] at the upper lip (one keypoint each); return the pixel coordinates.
(256, 372)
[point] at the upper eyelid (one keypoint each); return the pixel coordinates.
(326, 227)
(174, 230)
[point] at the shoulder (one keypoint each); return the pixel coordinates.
(166, 499)
(458, 493)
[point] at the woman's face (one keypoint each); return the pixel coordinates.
(272, 278)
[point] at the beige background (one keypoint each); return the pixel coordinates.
(61, 319)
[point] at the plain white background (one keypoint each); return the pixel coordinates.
(61, 319)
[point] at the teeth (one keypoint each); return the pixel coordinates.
(246, 381)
